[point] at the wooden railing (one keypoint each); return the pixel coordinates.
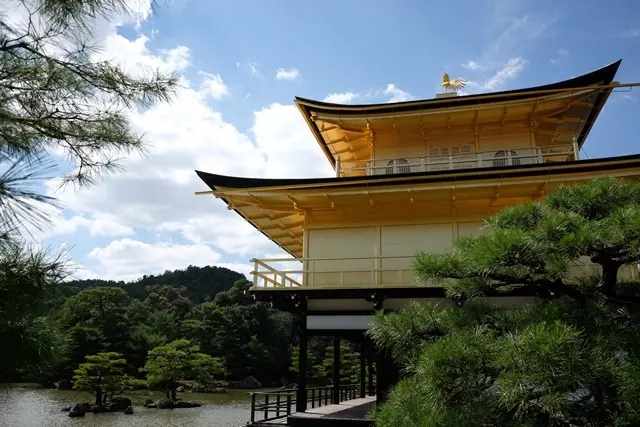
(375, 271)
(322, 272)
(461, 160)
(272, 405)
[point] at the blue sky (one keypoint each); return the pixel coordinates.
(356, 46)
(236, 117)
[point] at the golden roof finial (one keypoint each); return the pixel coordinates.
(452, 85)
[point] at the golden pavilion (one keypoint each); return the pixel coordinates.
(409, 176)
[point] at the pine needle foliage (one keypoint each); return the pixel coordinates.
(59, 104)
(569, 358)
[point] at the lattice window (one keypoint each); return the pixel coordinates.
(398, 166)
(439, 157)
(506, 158)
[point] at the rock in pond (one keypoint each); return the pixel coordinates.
(165, 404)
(64, 384)
(251, 382)
(129, 410)
(168, 404)
(203, 389)
(78, 410)
(148, 401)
(181, 404)
(119, 404)
(66, 409)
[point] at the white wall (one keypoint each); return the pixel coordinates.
(354, 251)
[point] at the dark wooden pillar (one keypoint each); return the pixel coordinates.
(301, 392)
(362, 368)
(370, 353)
(387, 375)
(336, 370)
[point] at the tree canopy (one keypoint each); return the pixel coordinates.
(568, 359)
(59, 104)
(537, 245)
(168, 364)
(102, 375)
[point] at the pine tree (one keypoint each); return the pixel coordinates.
(58, 103)
(570, 359)
(103, 376)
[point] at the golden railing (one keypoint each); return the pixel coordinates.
(469, 160)
(355, 272)
(376, 271)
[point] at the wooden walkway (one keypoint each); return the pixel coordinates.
(349, 413)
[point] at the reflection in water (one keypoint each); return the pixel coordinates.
(41, 408)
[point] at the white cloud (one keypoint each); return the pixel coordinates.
(229, 232)
(127, 259)
(630, 33)
(156, 193)
(396, 94)
(290, 150)
(212, 85)
(290, 74)
(341, 98)
(95, 226)
(509, 71)
(517, 29)
(253, 66)
(134, 55)
(560, 53)
(473, 65)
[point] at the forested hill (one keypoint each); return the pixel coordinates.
(208, 306)
(200, 283)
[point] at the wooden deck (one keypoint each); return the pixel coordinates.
(351, 413)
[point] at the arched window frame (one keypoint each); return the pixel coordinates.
(398, 166)
(501, 159)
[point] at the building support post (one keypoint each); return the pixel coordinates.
(370, 351)
(301, 392)
(362, 368)
(338, 167)
(576, 149)
(336, 370)
(386, 375)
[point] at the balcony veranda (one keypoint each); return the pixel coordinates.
(459, 160)
(365, 272)
(377, 271)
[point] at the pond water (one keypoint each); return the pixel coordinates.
(42, 408)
